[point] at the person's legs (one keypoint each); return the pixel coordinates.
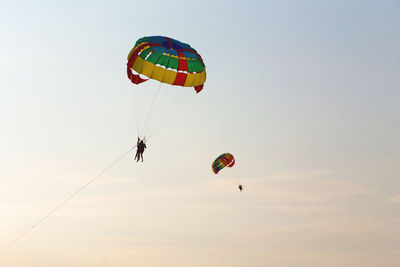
(139, 152)
(138, 156)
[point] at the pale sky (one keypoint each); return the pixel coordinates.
(304, 94)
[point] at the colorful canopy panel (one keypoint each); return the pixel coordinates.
(225, 160)
(168, 61)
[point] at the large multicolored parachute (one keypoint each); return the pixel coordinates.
(225, 160)
(169, 67)
(166, 60)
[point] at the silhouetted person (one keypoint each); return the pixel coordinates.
(141, 146)
(240, 188)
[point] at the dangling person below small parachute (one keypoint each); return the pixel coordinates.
(224, 160)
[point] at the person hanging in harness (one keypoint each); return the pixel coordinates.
(240, 188)
(141, 146)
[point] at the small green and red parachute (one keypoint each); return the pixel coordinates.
(225, 160)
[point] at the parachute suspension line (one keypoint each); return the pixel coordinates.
(135, 100)
(159, 108)
(140, 108)
(166, 116)
(51, 212)
(238, 181)
(164, 105)
(178, 103)
(169, 112)
(151, 110)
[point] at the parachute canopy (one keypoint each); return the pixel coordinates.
(225, 160)
(166, 60)
(169, 67)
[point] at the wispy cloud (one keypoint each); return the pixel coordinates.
(303, 187)
(299, 193)
(395, 198)
(291, 208)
